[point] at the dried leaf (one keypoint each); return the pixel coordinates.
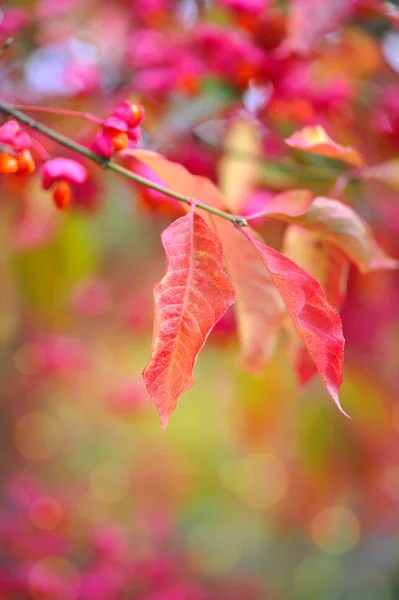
(339, 224)
(239, 169)
(317, 141)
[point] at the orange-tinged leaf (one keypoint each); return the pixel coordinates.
(341, 225)
(258, 307)
(192, 296)
(316, 140)
(286, 204)
(329, 265)
(316, 321)
(237, 171)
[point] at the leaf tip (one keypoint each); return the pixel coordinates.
(164, 420)
(334, 395)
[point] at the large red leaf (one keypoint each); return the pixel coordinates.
(316, 140)
(258, 306)
(192, 296)
(316, 321)
(335, 222)
(329, 265)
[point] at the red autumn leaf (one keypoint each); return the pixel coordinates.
(327, 263)
(330, 267)
(258, 307)
(192, 296)
(317, 141)
(339, 224)
(291, 204)
(310, 20)
(316, 321)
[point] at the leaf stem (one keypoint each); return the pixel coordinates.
(108, 164)
(59, 111)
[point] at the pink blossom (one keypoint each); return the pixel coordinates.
(82, 78)
(53, 8)
(8, 131)
(254, 7)
(12, 134)
(148, 48)
(129, 398)
(125, 112)
(134, 134)
(91, 297)
(385, 118)
(12, 21)
(145, 8)
(62, 168)
(224, 50)
(61, 353)
(156, 81)
(102, 144)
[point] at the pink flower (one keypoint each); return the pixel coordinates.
(102, 144)
(64, 169)
(82, 79)
(131, 113)
(12, 21)
(148, 48)
(114, 122)
(12, 134)
(120, 127)
(254, 7)
(8, 131)
(160, 80)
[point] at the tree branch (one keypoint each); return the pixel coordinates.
(108, 164)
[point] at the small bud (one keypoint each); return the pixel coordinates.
(119, 141)
(137, 115)
(26, 164)
(8, 164)
(62, 195)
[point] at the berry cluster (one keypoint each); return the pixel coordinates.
(58, 174)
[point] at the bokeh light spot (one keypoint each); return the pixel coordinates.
(390, 482)
(336, 530)
(235, 475)
(268, 481)
(214, 547)
(29, 359)
(46, 513)
(368, 585)
(54, 577)
(92, 509)
(109, 482)
(37, 436)
(319, 576)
